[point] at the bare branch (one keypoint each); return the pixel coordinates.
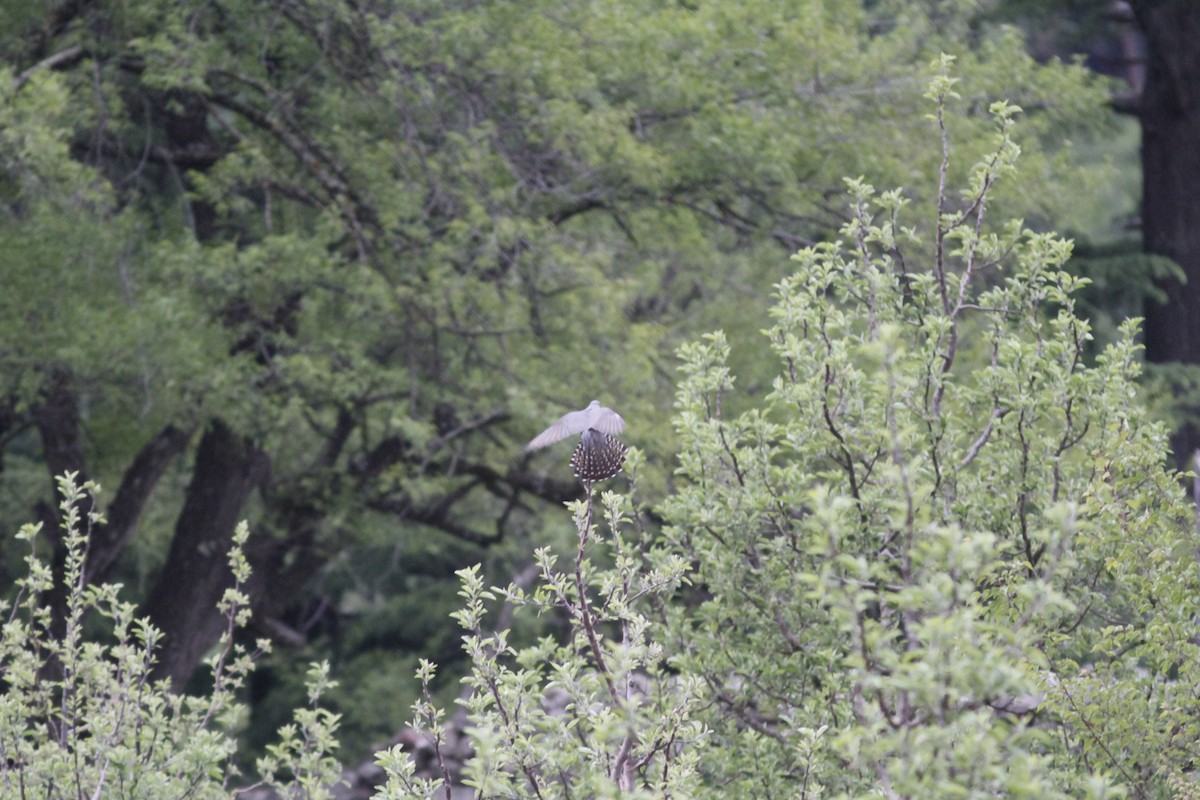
(60, 60)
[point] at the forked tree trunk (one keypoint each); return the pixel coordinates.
(183, 603)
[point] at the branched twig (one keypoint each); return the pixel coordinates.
(585, 613)
(1099, 740)
(973, 451)
(63, 58)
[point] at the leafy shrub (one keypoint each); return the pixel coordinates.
(940, 557)
(598, 714)
(83, 718)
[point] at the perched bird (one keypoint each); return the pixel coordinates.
(599, 455)
(595, 417)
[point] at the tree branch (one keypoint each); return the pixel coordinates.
(137, 484)
(60, 60)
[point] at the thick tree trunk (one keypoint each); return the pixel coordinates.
(183, 603)
(137, 483)
(57, 418)
(1170, 119)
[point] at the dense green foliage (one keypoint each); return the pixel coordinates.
(326, 266)
(939, 514)
(942, 558)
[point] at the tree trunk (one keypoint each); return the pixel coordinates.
(1170, 120)
(57, 418)
(137, 483)
(183, 603)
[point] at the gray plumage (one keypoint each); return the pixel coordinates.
(594, 417)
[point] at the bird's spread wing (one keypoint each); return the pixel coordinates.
(608, 421)
(567, 424)
(602, 419)
(548, 437)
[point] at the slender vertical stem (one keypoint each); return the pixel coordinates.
(585, 611)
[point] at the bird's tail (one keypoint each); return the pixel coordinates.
(598, 456)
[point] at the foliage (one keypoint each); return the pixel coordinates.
(363, 250)
(941, 557)
(595, 714)
(82, 717)
(944, 558)
(940, 519)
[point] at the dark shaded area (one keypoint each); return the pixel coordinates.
(1169, 112)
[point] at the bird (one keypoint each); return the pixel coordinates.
(599, 454)
(594, 417)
